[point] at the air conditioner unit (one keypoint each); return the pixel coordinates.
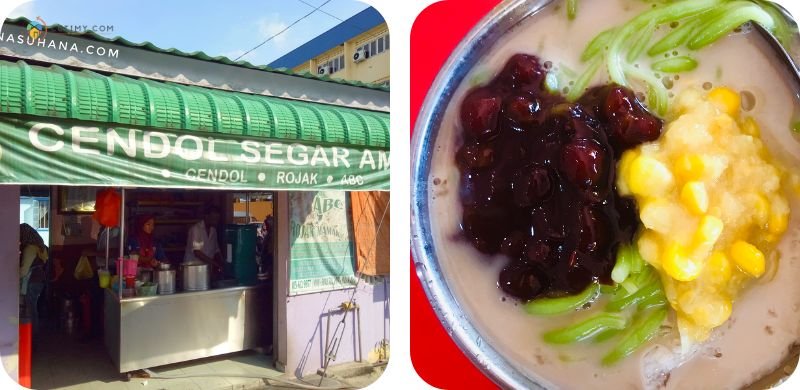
(360, 55)
(324, 70)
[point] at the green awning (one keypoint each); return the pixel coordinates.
(83, 128)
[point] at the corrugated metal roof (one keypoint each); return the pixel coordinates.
(357, 24)
(57, 92)
(199, 55)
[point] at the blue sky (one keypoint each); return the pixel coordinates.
(228, 27)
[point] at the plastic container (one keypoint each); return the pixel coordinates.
(105, 278)
(130, 281)
(127, 267)
(240, 262)
(115, 283)
(146, 290)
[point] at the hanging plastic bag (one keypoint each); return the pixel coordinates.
(107, 205)
(83, 270)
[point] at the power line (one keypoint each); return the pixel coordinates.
(356, 28)
(284, 30)
(321, 10)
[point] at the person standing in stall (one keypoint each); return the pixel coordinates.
(202, 244)
(142, 242)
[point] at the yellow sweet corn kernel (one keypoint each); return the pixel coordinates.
(678, 265)
(707, 310)
(707, 234)
(649, 177)
(761, 208)
(695, 197)
(649, 248)
(718, 268)
(749, 258)
(750, 127)
(778, 223)
(658, 214)
(689, 167)
(624, 171)
(724, 125)
(716, 313)
(726, 100)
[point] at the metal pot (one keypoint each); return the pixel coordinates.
(166, 281)
(145, 274)
(196, 276)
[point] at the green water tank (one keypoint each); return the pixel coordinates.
(240, 254)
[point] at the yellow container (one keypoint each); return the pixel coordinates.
(105, 278)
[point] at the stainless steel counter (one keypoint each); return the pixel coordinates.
(143, 332)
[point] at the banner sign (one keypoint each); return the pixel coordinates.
(68, 152)
(322, 257)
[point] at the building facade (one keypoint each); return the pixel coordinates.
(356, 49)
(143, 88)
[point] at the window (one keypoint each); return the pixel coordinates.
(376, 46)
(35, 211)
(334, 65)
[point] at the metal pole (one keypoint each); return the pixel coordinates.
(328, 333)
(360, 350)
(247, 208)
(108, 243)
(121, 240)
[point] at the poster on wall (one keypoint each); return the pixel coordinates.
(322, 257)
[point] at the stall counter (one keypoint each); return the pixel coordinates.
(143, 332)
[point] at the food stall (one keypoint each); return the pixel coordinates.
(88, 124)
(228, 310)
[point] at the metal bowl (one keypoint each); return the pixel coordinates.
(471, 49)
(455, 320)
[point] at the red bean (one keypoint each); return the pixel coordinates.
(479, 113)
(537, 175)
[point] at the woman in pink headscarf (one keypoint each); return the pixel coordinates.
(142, 242)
